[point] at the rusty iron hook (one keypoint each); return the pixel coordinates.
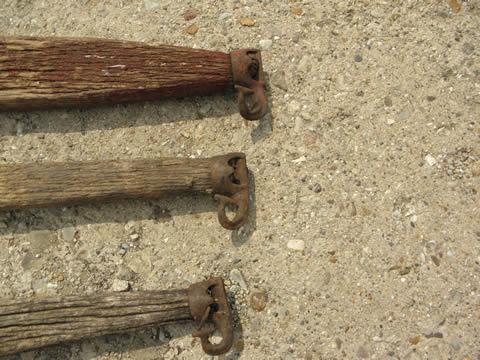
(249, 81)
(230, 179)
(209, 307)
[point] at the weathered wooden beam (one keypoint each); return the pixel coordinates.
(29, 325)
(61, 184)
(42, 73)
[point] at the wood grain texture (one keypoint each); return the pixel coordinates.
(39, 73)
(26, 326)
(57, 184)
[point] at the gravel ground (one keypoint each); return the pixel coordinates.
(364, 234)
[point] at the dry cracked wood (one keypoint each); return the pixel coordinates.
(31, 325)
(38, 73)
(58, 184)
(62, 184)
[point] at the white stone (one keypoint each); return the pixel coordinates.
(20, 128)
(390, 121)
(151, 4)
(296, 245)
(430, 160)
(68, 233)
(304, 64)
(39, 285)
(225, 16)
(120, 285)
(265, 44)
(298, 124)
(300, 160)
(236, 276)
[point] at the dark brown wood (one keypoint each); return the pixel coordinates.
(58, 184)
(39, 73)
(26, 326)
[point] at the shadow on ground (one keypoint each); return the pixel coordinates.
(129, 115)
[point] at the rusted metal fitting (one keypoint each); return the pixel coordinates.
(230, 188)
(209, 308)
(249, 81)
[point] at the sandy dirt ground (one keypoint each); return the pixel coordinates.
(364, 233)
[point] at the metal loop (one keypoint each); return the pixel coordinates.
(215, 316)
(249, 81)
(230, 187)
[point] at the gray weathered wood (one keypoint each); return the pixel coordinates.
(58, 184)
(26, 326)
(39, 73)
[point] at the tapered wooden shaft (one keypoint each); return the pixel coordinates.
(61, 184)
(56, 184)
(42, 73)
(39, 73)
(29, 325)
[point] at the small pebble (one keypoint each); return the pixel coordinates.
(279, 80)
(205, 109)
(258, 300)
(265, 44)
(295, 10)
(388, 101)
(298, 124)
(390, 121)
(39, 285)
(456, 343)
(134, 237)
(20, 128)
(414, 340)
(305, 63)
(296, 245)
(236, 276)
(404, 115)
(120, 285)
(316, 188)
(246, 21)
(455, 5)
(68, 233)
(125, 273)
(88, 351)
(225, 16)
(300, 160)
(192, 29)
(358, 58)
(430, 160)
(151, 4)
